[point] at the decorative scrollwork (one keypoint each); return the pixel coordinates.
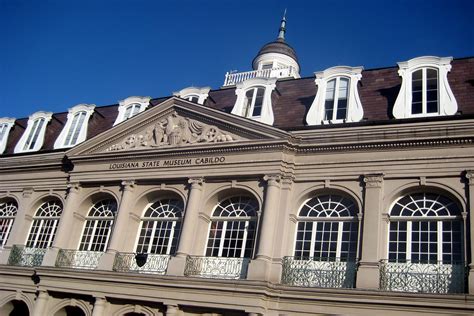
(26, 256)
(318, 272)
(156, 264)
(422, 277)
(78, 259)
(216, 267)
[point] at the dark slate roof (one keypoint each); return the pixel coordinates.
(279, 46)
(378, 90)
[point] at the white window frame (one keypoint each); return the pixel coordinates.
(8, 211)
(355, 111)
(124, 104)
(187, 93)
(53, 210)
(269, 85)
(164, 210)
(19, 148)
(6, 123)
(95, 220)
(447, 104)
(88, 109)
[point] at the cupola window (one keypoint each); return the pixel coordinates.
(75, 130)
(33, 137)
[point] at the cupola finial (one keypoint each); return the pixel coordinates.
(282, 30)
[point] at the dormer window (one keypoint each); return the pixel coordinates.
(337, 99)
(130, 107)
(33, 137)
(75, 130)
(194, 94)
(425, 88)
(5, 126)
(254, 99)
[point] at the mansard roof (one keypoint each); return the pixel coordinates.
(291, 100)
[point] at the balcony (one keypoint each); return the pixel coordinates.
(25, 256)
(78, 259)
(232, 78)
(318, 272)
(216, 267)
(141, 263)
(435, 278)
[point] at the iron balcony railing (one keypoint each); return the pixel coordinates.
(436, 277)
(216, 267)
(141, 263)
(78, 259)
(26, 256)
(232, 78)
(318, 272)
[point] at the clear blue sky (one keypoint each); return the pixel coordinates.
(56, 54)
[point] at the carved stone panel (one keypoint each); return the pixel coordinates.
(173, 131)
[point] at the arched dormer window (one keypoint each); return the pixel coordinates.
(130, 107)
(75, 130)
(5, 125)
(425, 89)
(33, 137)
(254, 99)
(337, 99)
(194, 94)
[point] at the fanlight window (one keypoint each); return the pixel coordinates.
(233, 228)
(425, 228)
(160, 227)
(8, 212)
(75, 129)
(98, 227)
(34, 134)
(337, 93)
(45, 224)
(253, 102)
(131, 110)
(327, 229)
(425, 91)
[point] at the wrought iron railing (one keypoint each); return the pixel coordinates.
(78, 259)
(142, 263)
(26, 256)
(232, 78)
(423, 277)
(318, 272)
(216, 267)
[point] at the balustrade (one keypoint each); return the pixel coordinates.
(216, 267)
(26, 256)
(78, 259)
(234, 78)
(141, 263)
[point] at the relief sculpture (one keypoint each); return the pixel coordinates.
(175, 130)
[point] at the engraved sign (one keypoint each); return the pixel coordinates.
(167, 163)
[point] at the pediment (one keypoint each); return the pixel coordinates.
(176, 123)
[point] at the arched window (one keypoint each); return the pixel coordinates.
(424, 91)
(160, 227)
(8, 211)
(253, 102)
(45, 224)
(98, 227)
(233, 227)
(327, 229)
(131, 111)
(335, 104)
(425, 228)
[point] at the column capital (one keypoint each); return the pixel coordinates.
(128, 185)
(27, 192)
(272, 179)
(74, 186)
(470, 176)
(196, 183)
(374, 180)
(100, 300)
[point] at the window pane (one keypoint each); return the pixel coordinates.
(248, 102)
(257, 108)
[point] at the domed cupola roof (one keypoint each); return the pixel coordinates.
(279, 46)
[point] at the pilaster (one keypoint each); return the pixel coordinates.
(41, 303)
(99, 306)
(470, 184)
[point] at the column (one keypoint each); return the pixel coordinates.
(41, 301)
(188, 231)
(63, 235)
(172, 310)
(368, 273)
(260, 268)
(19, 228)
(99, 306)
(470, 183)
(120, 226)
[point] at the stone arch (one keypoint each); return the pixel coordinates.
(84, 306)
(139, 309)
(152, 195)
(31, 210)
(18, 297)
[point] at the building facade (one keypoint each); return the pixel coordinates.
(346, 193)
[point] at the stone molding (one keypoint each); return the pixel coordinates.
(196, 183)
(128, 185)
(373, 180)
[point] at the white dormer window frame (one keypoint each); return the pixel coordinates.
(6, 123)
(248, 98)
(425, 85)
(328, 100)
(130, 107)
(33, 137)
(194, 94)
(75, 130)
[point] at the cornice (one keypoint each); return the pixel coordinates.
(40, 160)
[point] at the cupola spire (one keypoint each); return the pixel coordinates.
(282, 30)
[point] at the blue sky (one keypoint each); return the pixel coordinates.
(56, 54)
